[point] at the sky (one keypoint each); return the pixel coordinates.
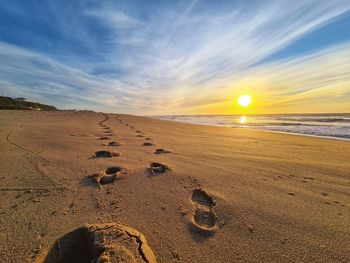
(178, 57)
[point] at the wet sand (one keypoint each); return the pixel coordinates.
(209, 194)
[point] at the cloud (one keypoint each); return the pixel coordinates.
(169, 58)
(291, 85)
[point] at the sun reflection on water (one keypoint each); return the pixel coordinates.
(243, 120)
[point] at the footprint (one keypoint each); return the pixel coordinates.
(106, 154)
(113, 144)
(200, 197)
(159, 151)
(139, 135)
(309, 178)
(110, 174)
(107, 176)
(203, 219)
(104, 138)
(110, 242)
(148, 144)
(156, 168)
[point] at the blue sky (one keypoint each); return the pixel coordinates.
(177, 57)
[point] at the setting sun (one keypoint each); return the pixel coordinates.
(244, 100)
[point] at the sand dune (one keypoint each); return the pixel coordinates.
(148, 190)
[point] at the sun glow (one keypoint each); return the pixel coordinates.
(244, 100)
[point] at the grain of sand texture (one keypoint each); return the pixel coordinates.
(219, 195)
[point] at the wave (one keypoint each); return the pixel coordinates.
(280, 124)
(345, 120)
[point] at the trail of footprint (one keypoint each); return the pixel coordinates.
(100, 243)
(203, 219)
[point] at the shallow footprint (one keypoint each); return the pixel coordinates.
(200, 197)
(203, 220)
(100, 243)
(113, 144)
(106, 154)
(107, 176)
(157, 168)
(159, 151)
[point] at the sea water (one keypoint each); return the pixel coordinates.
(324, 125)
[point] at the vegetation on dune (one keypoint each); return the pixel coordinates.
(7, 103)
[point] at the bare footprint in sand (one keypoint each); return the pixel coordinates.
(108, 176)
(106, 154)
(203, 220)
(148, 144)
(104, 138)
(100, 243)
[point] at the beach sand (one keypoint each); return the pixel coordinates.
(223, 194)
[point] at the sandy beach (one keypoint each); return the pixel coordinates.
(222, 194)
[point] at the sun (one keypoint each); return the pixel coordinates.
(244, 100)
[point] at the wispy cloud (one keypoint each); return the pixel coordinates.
(174, 58)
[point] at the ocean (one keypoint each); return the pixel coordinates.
(335, 126)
